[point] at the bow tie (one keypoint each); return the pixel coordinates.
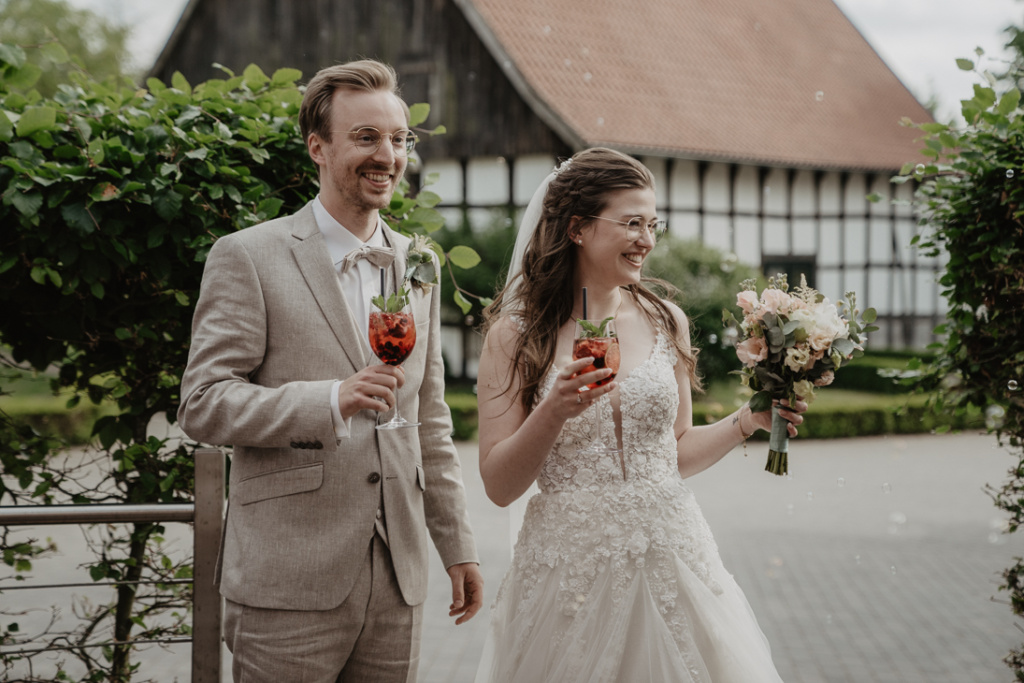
(382, 257)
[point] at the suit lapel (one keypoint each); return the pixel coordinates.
(400, 245)
(314, 263)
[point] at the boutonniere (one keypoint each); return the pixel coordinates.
(419, 273)
(419, 269)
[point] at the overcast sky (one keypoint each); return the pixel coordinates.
(919, 39)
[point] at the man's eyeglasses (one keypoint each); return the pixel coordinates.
(368, 140)
(635, 227)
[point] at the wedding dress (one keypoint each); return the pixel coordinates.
(617, 579)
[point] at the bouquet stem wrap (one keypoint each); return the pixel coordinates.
(778, 444)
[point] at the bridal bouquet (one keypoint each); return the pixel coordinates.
(791, 343)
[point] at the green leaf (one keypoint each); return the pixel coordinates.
(430, 219)
(12, 54)
(428, 199)
(6, 127)
(284, 77)
(26, 204)
(590, 330)
(55, 52)
(462, 302)
(179, 82)
(168, 204)
(760, 402)
(464, 257)
(77, 217)
(23, 77)
(870, 316)
(1008, 102)
(965, 64)
(985, 97)
(418, 113)
(35, 119)
(254, 77)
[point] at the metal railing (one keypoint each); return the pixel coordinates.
(207, 514)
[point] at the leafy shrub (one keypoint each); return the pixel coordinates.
(970, 196)
(708, 280)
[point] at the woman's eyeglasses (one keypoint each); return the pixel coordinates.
(635, 227)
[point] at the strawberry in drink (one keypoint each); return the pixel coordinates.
(392, 336)
(605, 351)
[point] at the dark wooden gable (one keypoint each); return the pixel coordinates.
(438, 56)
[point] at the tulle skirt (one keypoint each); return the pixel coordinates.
(703, 632)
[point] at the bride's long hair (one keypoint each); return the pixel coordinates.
(541, 293)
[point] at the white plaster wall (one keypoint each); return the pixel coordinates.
(487, 181)
(659, 169)
(716, 188)
(684, 185)
(449, 180)
(527, 175)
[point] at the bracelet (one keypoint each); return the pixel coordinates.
(739, 423)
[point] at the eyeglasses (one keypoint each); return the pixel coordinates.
(635, 227)
(368, 139)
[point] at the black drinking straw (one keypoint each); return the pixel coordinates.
(382, 293)
(585, 304)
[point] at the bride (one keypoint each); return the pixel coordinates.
(615, 575)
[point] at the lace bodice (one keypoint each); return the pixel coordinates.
(591, 519)
(649, 399)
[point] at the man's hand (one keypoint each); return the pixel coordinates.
(467, 591)
(372, 388)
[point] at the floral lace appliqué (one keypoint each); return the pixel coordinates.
(589, 519)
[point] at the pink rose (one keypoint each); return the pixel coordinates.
(747, 301)
(774, 300)
(752, 351)
(825, 379)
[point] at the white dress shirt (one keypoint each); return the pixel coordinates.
(358, 285)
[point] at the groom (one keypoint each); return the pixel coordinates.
(323, 563)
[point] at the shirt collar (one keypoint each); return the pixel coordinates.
(338, 238)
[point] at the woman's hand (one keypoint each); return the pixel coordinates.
(794, 413)
(569, 396)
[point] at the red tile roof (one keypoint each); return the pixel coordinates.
(775, 82)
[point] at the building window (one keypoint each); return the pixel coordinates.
(792, 266)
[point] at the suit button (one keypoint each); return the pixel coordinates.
(378, 513)
(373, 478)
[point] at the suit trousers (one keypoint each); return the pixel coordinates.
(371, 637)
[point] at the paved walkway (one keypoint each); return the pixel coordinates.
(875, 562)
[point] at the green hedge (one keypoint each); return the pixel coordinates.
(49, 416)
(832, 422)
(825, 422)
(863, 374)
(462, 403)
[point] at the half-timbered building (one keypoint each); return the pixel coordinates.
(766, 122)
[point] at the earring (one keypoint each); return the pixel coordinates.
(579, 242)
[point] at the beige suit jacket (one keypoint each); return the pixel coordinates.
(272, 332)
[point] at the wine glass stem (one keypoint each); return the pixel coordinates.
(599, 440)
